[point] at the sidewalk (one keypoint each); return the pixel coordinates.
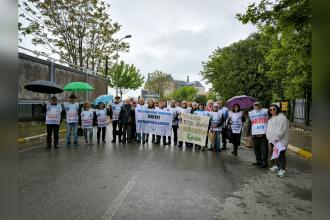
(300, 140)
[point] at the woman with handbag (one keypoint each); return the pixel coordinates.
(235, 124)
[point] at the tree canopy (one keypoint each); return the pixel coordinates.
(81, 32)
(184, 93)
(124, 77)
(158, 82)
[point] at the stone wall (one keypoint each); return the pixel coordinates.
(32, 68)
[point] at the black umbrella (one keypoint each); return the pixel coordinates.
(43, 86)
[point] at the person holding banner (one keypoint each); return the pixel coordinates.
(140, 136)
(114, 114)
(174, 110)
(158, 137)
(101, 115)
(72, 114)
(217, 119)
(278, 135)
(259, 119)
(202, 112)
(125, 111)
(184, 109)
(150, 106)
(86, 116)
(235, 123)
(53, 120)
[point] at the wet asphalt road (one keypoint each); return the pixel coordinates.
(131, 181)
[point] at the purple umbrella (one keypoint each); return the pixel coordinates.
(244, 101)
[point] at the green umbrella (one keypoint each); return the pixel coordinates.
(78, 86)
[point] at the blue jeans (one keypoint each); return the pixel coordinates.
(69, 128)
(217, 140)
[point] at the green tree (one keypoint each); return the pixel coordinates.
(81, 32)
(285, 27)
(124, 77)
(200, 98)
(239, 69)
(184, 93)
(158, 82)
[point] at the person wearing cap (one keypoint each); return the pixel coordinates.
(114, 115)
(53, 120)
(224, 129)
(101, 114)
(72, 115)
(259, 119)
(217, 119)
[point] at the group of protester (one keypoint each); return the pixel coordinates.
(269, 127)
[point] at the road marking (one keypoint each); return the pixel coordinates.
(115, 205)
(31, 148)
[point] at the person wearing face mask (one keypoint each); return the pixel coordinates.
(278, 132)
(53, 120)
(259, 120)
(114, 114)
(72, 115)
(125, 111)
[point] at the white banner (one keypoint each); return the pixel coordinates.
(157, 122)
(193, 128)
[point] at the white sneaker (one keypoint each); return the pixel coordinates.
(274, 168)
(281, 173)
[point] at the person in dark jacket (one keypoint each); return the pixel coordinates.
(131, 126)
(125, 111)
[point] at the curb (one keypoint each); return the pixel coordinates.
(301, 152)
(24, 140)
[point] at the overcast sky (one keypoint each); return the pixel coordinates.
(175, 36)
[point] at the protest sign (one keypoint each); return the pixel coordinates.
(193, 128)
(158, 122)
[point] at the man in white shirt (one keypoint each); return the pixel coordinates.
(259, 119)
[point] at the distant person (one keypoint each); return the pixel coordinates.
(141, 136)
(235, 123)
(72, 114)
(150, 106)
(259, 120)
(224, 129)
(115, 110)
(125, 111)
(86, 116)
(217, 119)
(53, 121)
(278, 132)
(209, 106)
(101, 114)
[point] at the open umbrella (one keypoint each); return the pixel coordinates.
(244, 101)
(78, 87)
(43, 86)
(106, 99)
